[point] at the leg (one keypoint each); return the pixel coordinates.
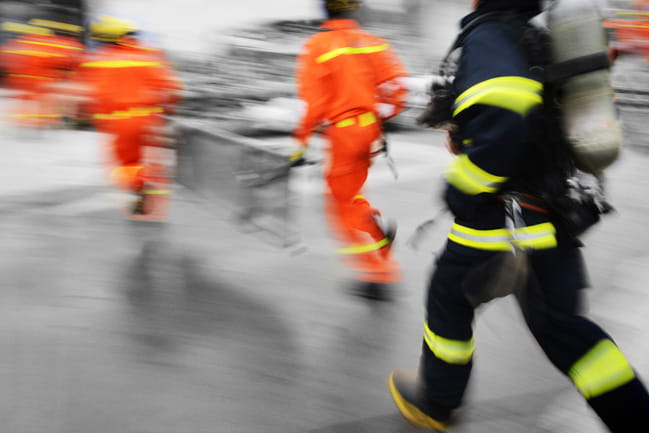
(447, 351)
(350, 214)
(578, 347)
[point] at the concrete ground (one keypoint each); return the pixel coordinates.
(196, 325)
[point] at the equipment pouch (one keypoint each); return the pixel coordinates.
(503, 274)
(582, 206)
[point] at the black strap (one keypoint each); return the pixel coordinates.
(560, 71)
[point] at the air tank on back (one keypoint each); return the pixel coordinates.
(590, 119)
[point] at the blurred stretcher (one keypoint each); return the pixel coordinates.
(249, 178)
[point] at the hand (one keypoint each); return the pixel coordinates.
(450, 143)
(378, 146)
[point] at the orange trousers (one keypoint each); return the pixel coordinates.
(129, 137)
(349, 213)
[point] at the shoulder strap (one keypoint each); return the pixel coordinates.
(464, 32)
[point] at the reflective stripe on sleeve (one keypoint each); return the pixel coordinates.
(517, 94)
(450, 351)
(463, 174)
(351, 50)
(537, 237)
(360, 249)
(601, 370)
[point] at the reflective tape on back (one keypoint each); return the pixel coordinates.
(450, 351)
(603, 369)
(351, 50)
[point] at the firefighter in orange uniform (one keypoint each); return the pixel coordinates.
(34, 62)
(351, 81)
(65, 43)
(129, 87)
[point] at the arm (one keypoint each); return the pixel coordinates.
(492, 114)
(392, 90)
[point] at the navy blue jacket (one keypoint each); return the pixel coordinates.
(498, 113)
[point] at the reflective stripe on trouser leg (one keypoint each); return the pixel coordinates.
(127, 177)
(447, 347)
(449, 350)
(602, 369)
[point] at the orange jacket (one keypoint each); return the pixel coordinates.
(70, 52)
(344, 71)
(33, 59)
(127, 79)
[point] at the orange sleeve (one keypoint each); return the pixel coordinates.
(310, 76)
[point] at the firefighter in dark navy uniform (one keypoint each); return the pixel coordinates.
(500, 173)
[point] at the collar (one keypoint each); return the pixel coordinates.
(339, 24)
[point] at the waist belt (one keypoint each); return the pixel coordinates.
(530, 202)
(362, 120)
(131, 112)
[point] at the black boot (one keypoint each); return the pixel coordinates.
(371, 290)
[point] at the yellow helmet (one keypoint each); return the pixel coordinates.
(108, 28)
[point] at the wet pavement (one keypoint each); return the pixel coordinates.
(196, 325)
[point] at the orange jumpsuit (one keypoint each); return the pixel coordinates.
(129, 88)
(347, 77)
(33, 64)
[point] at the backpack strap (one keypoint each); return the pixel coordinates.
(580, 65)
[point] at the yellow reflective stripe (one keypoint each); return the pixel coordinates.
(450, 351)
(366, 119)
(156, 191)
(351, 50)
(363, 120)
(538, 237)
(601, 370)
(517, 94)
(118, 64)
(360, 249)
(471, 179)
(10, 26)
(23, 116)
(131, 112)
(38, 77)
(33, 53)
(358, 197)
(49, 44)
(345, 122)
(55, 25)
